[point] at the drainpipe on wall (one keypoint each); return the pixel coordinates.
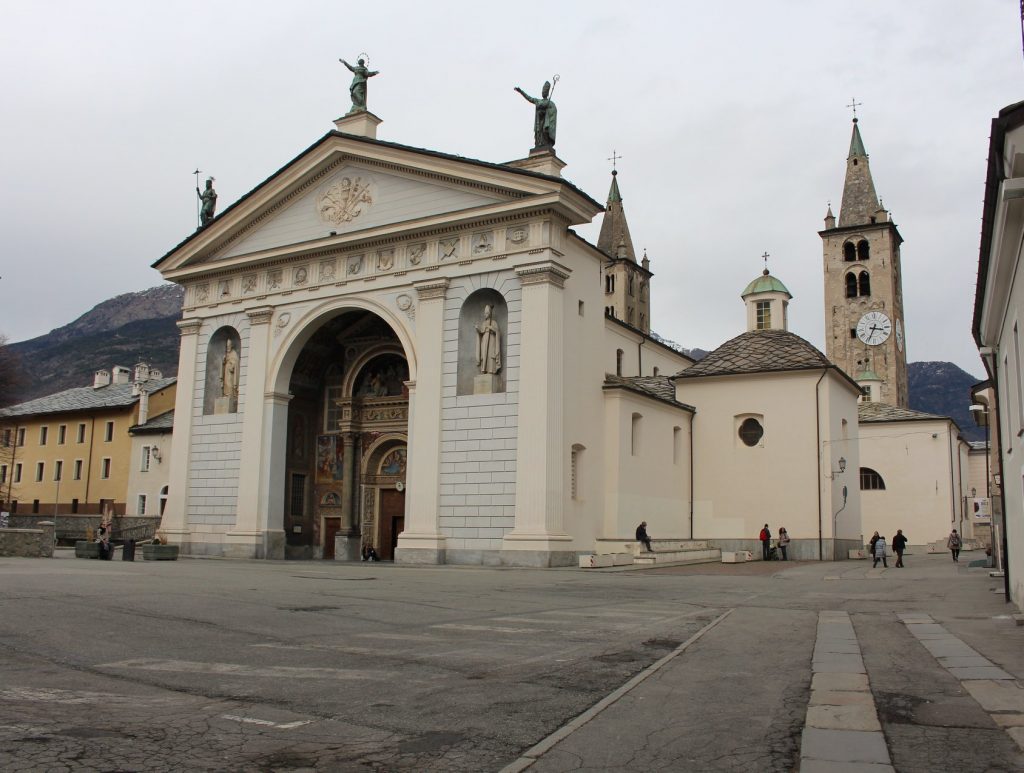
(817, 451)
(988, 356)
(692, 417)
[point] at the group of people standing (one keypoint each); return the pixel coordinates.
(781, 544)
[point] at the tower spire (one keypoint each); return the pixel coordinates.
(860, 202)
(614, 237)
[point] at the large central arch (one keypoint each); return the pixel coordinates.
(339, 434)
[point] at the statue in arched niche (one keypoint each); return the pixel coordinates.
(488, 346)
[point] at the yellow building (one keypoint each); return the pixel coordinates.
(70, 452)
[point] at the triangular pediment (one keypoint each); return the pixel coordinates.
(344, 188)
(358, 197)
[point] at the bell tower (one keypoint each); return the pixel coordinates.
(864, 330)
(626, 282)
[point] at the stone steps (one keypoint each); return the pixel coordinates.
(695, 555)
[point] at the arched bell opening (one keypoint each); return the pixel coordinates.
(347, 390)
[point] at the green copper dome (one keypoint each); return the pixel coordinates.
(765, 283)
(868, 375)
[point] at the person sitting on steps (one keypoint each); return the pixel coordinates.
(642, 538)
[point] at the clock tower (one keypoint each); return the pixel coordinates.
(864, 329)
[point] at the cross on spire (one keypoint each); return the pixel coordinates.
(854, 104)
(614, 157)
(765, 258)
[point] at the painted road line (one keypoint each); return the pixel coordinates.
(266, 722)
(235, 669)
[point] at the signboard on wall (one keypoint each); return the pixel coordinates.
(981, 509)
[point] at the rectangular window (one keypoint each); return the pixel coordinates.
(7, 438)
(40, 468)
(74, 506)
(58, 469)
(21, 436)
(108, 433)
(764, 315)
(35, 505)
(634, 439)
(581, 308)
(677, 444)
(62, 434)
(332, 411)
(78, 469)
(574, 468)
(144, 466)
(298, 496)
(43, 432)
(81, 433)
(105, 468)
(142, 504)
(17, 473)
(3, 473)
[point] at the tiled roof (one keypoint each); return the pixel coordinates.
(84, 399)
(759, 351)
(659, 387)
(765, 283)
(161, 423)
(869, 412)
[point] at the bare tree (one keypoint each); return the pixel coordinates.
(10, 373)
(10, 379)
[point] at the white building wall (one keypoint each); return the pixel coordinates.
(478, 433)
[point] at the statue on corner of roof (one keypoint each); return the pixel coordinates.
(545, 117)
(357, 90)
(208, 203)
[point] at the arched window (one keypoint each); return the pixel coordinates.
(618, 362)
(863, 250)
(655, 372)
(751, 432)
(871, 480)
(849, 252)
(851, 286)
(864, 285)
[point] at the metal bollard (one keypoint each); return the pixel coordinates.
(128, 550)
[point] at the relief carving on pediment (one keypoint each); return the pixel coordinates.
(345, 200)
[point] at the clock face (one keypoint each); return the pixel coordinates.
(899, 335)
(874, 328)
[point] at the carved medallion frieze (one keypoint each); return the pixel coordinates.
(274, 279)
(518, 234)
(448, 249)
(249, 284)
(385, 260)
(282, 322)
(404, 303)
(483, 243)
(416, 252)
(300, 276)
(355, 265)
(224, 288)
(202, 293)
(345, 200)
(327, 270)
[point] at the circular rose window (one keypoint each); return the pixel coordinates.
(751, 432)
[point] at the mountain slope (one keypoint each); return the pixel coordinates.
(945, 389)
(124, 330)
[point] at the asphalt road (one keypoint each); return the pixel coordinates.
(285, 666)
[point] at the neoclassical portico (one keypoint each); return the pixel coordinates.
(351, 284)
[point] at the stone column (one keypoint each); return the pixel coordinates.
(538, 538)
(347, 541)
(174, 523)
(250, 537)
(422, 541)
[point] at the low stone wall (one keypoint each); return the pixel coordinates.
(798, 550)
(28, 543)
(71, 528)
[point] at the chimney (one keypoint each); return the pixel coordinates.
(122, 375)
(143, 405)
(155, 374)
(100, 379)
(142, 372)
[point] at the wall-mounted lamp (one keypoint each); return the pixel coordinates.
(841, 470)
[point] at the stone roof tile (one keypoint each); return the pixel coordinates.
(84, 399)
(660, 387)
(759, 351)
(876, 412)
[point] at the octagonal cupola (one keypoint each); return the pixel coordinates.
(767, 302)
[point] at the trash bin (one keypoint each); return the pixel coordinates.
(128, 550)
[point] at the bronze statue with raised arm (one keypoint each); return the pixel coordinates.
(360, 74)
(545, 118)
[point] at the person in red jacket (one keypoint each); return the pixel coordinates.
(766, 541)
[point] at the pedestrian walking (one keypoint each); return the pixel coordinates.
(954, 543)
(783, 542)
(879, 552)
(766, 542)
(641, 536)
(871, 544)
(899, 544)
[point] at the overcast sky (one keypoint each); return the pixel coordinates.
(730, 117)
